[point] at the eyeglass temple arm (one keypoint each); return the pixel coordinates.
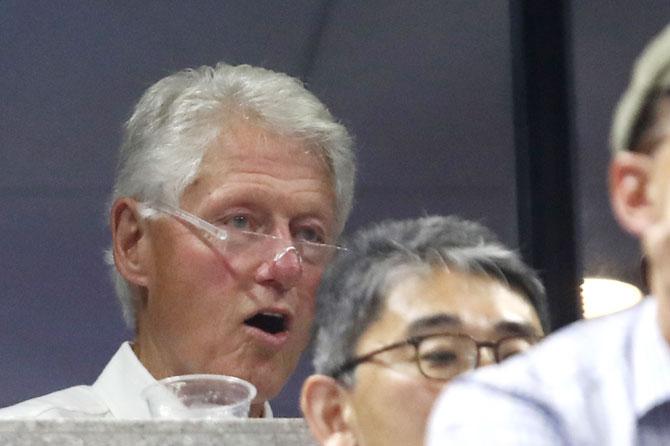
(189, 218)
(358, 360)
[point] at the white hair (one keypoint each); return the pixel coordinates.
(179, 116)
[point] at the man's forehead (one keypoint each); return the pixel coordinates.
(247, 138)
(444, 299)
(448, 322)
(433, 322)
(248, 147)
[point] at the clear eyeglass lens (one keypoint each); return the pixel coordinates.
(444, 357)
(512, 346)
(259, 244)
(237, 242)
(315, 252)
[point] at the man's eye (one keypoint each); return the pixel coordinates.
(309, 235)
(240, 222)
(506, 355)
(513, 346)
(440, 358)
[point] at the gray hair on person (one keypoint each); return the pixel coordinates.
(179, 116)
(354, 287)
(636, 125)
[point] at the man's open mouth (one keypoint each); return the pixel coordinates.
(268, 322)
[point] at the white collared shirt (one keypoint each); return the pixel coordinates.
(115, 394)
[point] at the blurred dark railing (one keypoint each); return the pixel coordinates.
(545, 150)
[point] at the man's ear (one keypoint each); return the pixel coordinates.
(127, 233)
(629, 192)
(324, 405)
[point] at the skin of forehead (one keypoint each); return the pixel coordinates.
(479, 301)
(267, 150)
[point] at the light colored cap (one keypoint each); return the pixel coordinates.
(650, 74)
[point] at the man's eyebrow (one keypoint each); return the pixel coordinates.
(509, 328)
(440, 320)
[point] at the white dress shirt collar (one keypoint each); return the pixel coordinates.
(121, 383)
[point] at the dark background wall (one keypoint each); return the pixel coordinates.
(425, 86)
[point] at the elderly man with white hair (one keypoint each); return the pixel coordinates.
(233, 185)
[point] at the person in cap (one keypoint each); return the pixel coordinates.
(604, 381)
(410, 305)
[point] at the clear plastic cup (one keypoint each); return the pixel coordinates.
(210, 397)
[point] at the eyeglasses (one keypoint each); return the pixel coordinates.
(444, 356)
(231, 241)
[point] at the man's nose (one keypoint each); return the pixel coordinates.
(486, 356)
(284, 270)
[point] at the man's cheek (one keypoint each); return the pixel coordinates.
(657, 244)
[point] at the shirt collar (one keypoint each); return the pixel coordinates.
(121, 383)
(650, 362)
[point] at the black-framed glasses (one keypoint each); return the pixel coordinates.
(247, 243)
(443, 356)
